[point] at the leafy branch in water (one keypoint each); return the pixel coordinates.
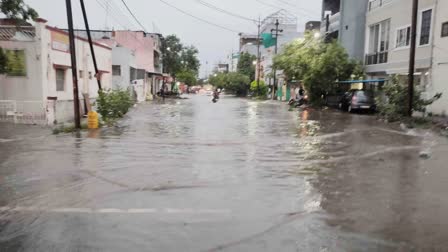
(393, 105)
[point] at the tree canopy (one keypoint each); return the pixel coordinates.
(246, 66)
(187, 77)
(232, 82)
(17, 9)
(180, 61)
(319, 65)
(3, 61)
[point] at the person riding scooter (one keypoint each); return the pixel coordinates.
(215, 96)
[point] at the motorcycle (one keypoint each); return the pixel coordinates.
(297, 103)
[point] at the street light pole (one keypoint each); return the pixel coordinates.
(258, 56)
(275, 53)
(71, 35)
(412, 57)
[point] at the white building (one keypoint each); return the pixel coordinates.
(38, 86)
(388, 26)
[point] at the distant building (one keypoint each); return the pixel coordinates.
(37, 86)
(222, 68)
(345, 21)
(137, 59)
(288, 25)
(312, 26)
(248, 43)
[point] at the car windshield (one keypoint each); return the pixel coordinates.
(364, 94)
(223, 125)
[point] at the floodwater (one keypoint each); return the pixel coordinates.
(238, 175)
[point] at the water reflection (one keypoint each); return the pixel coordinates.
(189, 175)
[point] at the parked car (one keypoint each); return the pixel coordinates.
(356, 100)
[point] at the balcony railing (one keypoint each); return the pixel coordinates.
(375, 4)
(377, 58)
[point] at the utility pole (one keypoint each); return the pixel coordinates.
(92, 51)
(412, 57)
(71, 35)
(258, 56)
(276, 30)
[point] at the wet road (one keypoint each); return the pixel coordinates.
(239, 175)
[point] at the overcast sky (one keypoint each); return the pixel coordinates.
(213, 43)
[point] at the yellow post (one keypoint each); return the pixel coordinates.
(92, 120)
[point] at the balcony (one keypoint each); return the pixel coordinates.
(333, 23)
(377, 58)
(375, 4)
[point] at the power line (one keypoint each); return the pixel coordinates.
(211, 6)
(198, 18)
(116, 19)
(132, 14)
(287, 3)
(118, 11)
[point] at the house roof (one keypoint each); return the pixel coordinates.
(15, 33)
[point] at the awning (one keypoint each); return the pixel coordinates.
(361, 81)
(59, 66)
(154, 73)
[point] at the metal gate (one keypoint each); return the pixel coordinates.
(22, 112)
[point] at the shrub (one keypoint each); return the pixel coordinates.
(235, 83)
(113, 104)
(394, 105)
(259, 90)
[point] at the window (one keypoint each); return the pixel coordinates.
(379, 37)
(403, 37)
(116, 70)
(60, 79)
(445, 29)
(90, 75)
(425, 31)
(81, 74)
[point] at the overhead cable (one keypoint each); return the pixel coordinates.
(198, 18)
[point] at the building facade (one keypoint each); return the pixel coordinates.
(137, 60)
(38, 86)
(345, 21)
(388, 34)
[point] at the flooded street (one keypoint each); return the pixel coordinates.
(238, 175)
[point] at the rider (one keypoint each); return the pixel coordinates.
(215, 95)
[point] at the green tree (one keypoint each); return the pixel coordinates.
(232, 82)
(246, 65)
(218, 80)
(3, 61)
(179, 60)
(189, 59)
(188, 77)
(237, 83)
(395, 107)
(17, 9)
(319, 65)
(262, 87)
(171, 51)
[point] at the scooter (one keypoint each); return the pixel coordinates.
(298, 103)
(215, 98)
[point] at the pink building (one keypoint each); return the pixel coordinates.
(136, 60)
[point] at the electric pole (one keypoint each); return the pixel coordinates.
(71, 35)
(92, 51)
(276, 30)
(258, 56)
(412, 57)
